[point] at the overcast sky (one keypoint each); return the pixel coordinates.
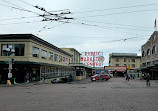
(97, 25)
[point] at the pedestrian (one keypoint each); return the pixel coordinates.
(127, 77)
(70, 78)
(44, 78)
(148, 80)
(133, 76)
(101, 77)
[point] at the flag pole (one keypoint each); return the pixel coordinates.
(155, 24)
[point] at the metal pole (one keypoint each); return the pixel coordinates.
(10, 67)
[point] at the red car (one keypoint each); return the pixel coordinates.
(97, 77)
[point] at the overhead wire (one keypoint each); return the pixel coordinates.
(20, 23)
(107, 27)
(44, 28)
(18, 18)
(20, 8)
(135, 11)
(116, 40)
(134, 6)
(112, 23)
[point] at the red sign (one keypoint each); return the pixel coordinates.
(92, 58)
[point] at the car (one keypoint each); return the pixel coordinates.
(111, 75)
(58, 80)
(96, 77)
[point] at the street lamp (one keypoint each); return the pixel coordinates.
(10, 50)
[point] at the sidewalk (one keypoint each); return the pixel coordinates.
(21, 84)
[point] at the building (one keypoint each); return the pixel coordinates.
(82, 71)
(149, 59)
(75, 54)
(128, 60)
(34, 58)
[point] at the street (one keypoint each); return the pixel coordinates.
(113, 95)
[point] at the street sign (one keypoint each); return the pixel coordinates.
(9, 75)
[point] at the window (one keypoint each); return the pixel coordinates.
(133, 65)
(125, 60)
(60, 58)
(125, 65)
(133, 60)
(117, 59)
(35, 52)
(63, 59)
(148, 52)
(50, 56)
(56, 57)
(154, 38)
(154, 50)
(43, 54)
(117, 64)
(143, 54)
(19, 49)
(66, 60)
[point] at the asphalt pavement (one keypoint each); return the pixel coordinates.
(113, 95)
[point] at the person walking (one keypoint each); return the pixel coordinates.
(101, 77)
(44, 78)
(127, 76)
(148, 80)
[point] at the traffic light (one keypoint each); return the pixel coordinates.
(12, 60)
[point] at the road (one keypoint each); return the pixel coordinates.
(113, 95)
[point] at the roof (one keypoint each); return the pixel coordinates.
(131, 55)
(72, 49)
(154, 33)
(34, 38)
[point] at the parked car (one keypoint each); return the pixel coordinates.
(97, 77)
(58, 80)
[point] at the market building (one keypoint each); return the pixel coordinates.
(149, 59)
(34, 58)
(82, 71)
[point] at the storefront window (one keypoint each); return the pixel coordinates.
(35, 52)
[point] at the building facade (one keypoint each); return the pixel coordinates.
(149, 59)
(129, 60)
(33, 57)
(75, 54)
(82, 71)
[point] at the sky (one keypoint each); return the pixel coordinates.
(108, 26)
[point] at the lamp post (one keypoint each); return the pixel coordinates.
(10, 50)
